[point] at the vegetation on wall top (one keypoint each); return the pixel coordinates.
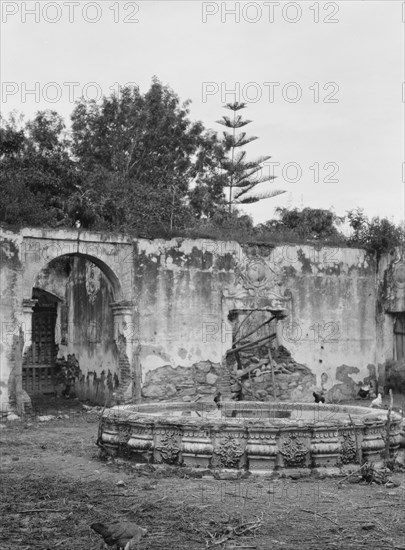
(136, 164)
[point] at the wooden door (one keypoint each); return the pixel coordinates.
(39, 364)
(399, 332)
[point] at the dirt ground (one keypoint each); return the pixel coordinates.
(54, 485)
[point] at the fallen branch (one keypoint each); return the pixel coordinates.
(61, 542)
(236, 531)
(47, 510)
(232, 494)
(352, 474)
(370, 474)
(391, 504)
(318, 514)
(244, 546)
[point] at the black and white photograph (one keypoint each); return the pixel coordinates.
(202, 275)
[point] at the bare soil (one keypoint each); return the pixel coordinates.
(54, 485)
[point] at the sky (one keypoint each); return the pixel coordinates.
(322, 81)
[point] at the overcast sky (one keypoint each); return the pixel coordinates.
(322, 81)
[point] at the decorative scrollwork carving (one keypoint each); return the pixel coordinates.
(169, 447)
(348, 452)
(294, 451)
(229, 452)
(124, 434)
(255, 284)
(252, 274)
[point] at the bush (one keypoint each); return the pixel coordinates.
(378, 235)
(68, 371)
(395, 376)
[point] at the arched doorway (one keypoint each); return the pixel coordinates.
(76, 314)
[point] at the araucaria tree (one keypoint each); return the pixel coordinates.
(241, 176)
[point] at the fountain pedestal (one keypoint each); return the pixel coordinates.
(197, 435)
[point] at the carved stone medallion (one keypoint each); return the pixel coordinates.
(348, 453)
(124, 434)
(294, 451)
(168, 447)
(229, 452)
(257, 285)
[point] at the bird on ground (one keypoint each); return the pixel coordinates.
(125, 535)
(365, 392)
(319, 397)
(377, 402)
(217, 399)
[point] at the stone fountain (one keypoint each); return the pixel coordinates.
(255, 436)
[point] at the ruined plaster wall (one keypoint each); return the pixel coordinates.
(32, 258)
(331, 325)
(11, 319)
(179, 315)
(178, 295)
(90, 319)
(390, 301)
(391, 281)
(88, 329)
(54, 277)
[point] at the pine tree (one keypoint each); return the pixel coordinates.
(241, 175)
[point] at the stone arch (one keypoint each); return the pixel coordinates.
(104, 267)
(121, 309)
(112, 254)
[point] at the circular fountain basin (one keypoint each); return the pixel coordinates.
(254, 436)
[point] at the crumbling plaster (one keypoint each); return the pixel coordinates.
(331, 318)
(170, 299)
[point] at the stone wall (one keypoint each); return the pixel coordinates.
(390, 302)
(185, 290)
(282, 380)
(182, 383)
(86, 276)
(160, 308)
(331, 325)
(11, 318)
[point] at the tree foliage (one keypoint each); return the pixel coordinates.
(308, 223)
(127, 165)
(206, 197)
(135, 162)
(37, 175)
(377, 235)
(240, 175)
(137, 157)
